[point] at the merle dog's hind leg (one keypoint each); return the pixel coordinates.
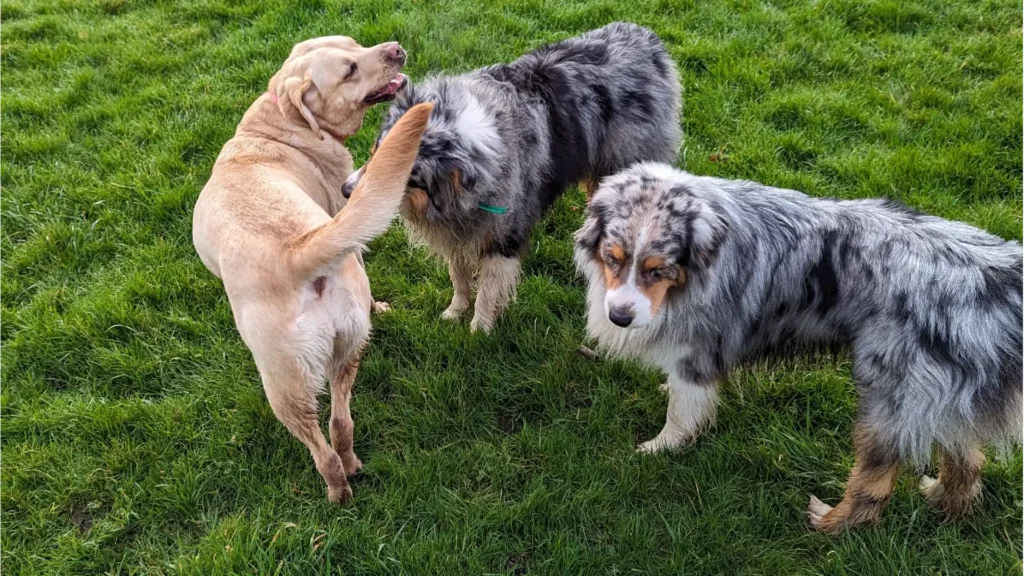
(497, 285)
(462, 276)
(867, 491)
(959, 481)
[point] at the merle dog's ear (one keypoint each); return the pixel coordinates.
(708, 228)
(463, 179)
(589, 236)
(405, 97)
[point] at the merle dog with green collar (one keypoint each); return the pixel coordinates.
(505, 141)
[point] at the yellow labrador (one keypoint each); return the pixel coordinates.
(293, 274)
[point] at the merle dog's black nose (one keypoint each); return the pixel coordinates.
(347, 188)
(620, 317)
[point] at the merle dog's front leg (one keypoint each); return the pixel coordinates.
(462, 277)
(691, 407)
(497, 285)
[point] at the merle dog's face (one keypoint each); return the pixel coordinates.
(646, 237)
(637, 278)
(444, 170)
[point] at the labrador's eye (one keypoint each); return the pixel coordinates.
(351, 71)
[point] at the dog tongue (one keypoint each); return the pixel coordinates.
(393, 86)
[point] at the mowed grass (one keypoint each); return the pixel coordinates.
(136, 437)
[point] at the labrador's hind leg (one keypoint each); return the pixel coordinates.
(342, 425)
(294, 403)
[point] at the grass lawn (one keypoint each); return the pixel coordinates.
(136, 437)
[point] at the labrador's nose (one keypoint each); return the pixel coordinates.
(394, 52)
(620, 316)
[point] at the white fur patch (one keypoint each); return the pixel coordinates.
(660, 171)
(690, 409)
(629, 297)
(477, 128)
(354, 177)
(498, 279)
(703, 233)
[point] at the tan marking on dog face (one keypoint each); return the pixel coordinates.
(617, 253)
(615, 265)
(418, 200)
(612, 279)
(457, 180)
(656, 293)
(652, 262)
(654, 287)
(615, 270)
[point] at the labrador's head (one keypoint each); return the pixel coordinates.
(330, 82)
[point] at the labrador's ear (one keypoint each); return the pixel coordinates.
(291, 94)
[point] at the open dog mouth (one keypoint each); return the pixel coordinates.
(389, 90)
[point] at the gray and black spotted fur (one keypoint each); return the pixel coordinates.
(931, 309)
(516, 136)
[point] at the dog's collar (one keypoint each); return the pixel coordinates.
(492, 209)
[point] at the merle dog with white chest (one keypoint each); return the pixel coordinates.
(696, 275)
(506, 140)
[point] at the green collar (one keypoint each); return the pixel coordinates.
(492, 209)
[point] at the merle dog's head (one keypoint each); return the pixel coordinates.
(646, 236)
(457, 153)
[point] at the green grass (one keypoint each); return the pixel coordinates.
(136, 438)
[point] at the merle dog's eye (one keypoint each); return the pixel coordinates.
(661, 272)
(351, 71)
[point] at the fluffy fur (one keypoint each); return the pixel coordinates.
(708, 273)
(516, 135)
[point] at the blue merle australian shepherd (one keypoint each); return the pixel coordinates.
(696, 275)
(506, 140)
